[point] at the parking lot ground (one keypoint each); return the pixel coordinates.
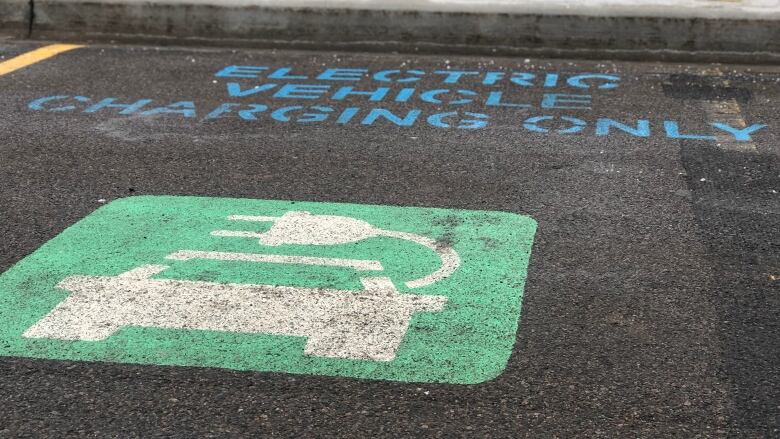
(650, 301)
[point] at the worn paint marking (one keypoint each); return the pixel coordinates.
(730, 112)
(34, 56)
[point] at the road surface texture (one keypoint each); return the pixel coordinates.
(651, 302)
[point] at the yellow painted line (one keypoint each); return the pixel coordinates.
(34, 56)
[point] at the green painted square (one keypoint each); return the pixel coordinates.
(460, 272)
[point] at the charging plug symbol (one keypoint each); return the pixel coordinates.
(305, 228)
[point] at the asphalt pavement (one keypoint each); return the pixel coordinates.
(651, 298)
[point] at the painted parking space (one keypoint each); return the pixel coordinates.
(653, 193)
(201, 282)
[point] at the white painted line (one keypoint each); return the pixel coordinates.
(237, 234)
(358, 325)
(252, 218)
(357, 264)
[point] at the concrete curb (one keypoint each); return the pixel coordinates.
(14, 18)
(530, 25)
